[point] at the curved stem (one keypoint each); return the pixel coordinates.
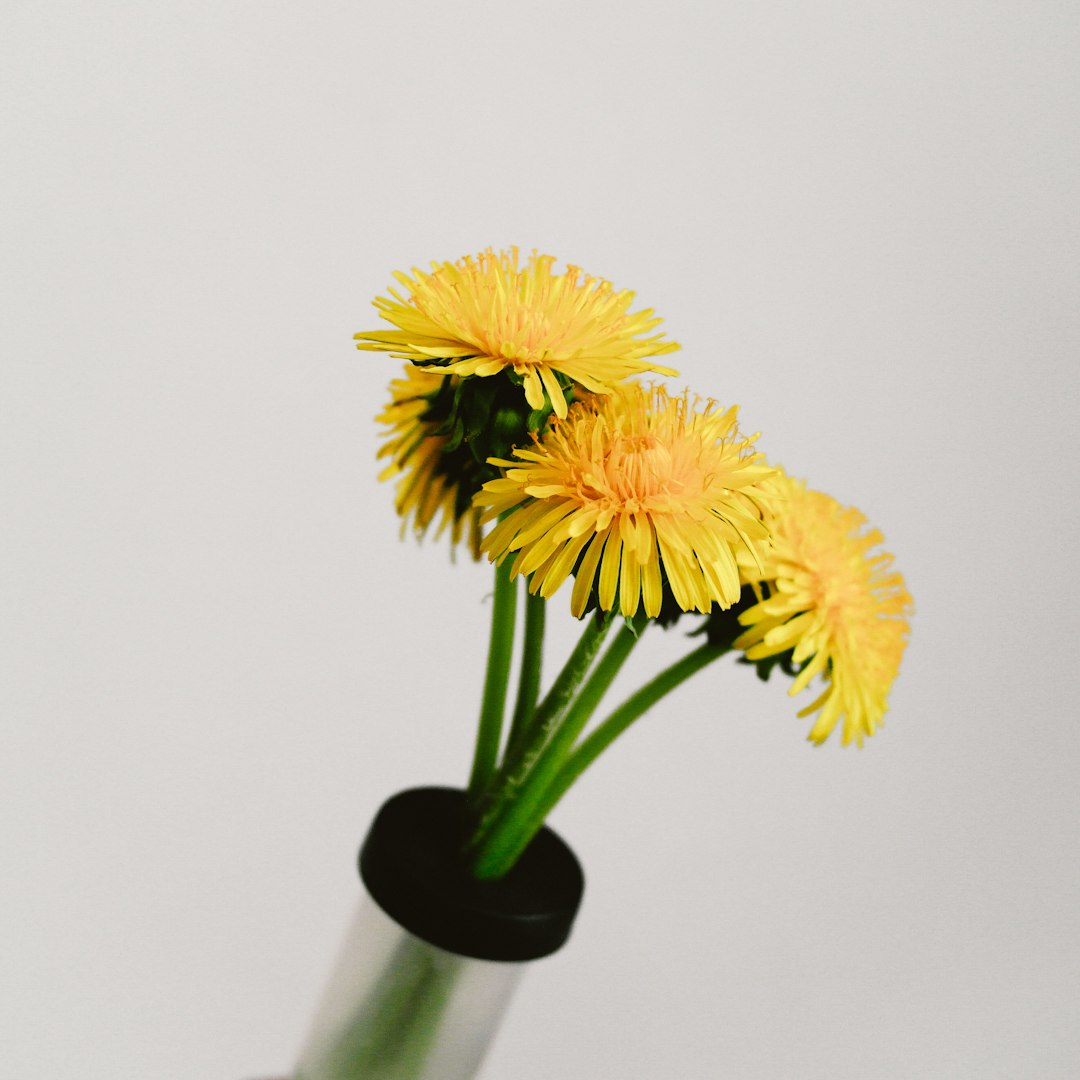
(531, 660)
(558, 698)
(500, 651)
(488, 801)
(499, 845)
(607, 732)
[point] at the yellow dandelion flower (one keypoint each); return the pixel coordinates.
(431, 482)
(636, 493)
(486, 314)
(833, 602)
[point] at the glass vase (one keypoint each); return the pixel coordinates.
(431, 960)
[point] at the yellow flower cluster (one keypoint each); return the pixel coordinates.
(650, 501)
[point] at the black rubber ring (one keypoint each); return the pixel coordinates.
(410, 863)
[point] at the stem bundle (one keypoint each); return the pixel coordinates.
(545, 752)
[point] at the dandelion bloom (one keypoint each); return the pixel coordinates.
(431, 484)
(636, 492)
(834, 602)
(486, 314)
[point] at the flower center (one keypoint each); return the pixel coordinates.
(523, 336)
(639, 473)
(838, 585)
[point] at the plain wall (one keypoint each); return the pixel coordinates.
(861, 222)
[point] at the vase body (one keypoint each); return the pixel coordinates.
(432, 958)
(399, 1008)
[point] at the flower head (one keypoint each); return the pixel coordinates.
(831, 604)
(484, 315)
(636, 493)
(433, 481)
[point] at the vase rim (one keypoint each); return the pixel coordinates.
(410, 863)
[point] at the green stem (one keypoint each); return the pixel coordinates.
(531, 736)
(500, 652)
(558, 698)
(638, 703)
(498, 846)
(531, 659)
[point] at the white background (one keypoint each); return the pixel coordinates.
(861, 221)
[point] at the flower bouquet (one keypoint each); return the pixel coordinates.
(519, 430)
